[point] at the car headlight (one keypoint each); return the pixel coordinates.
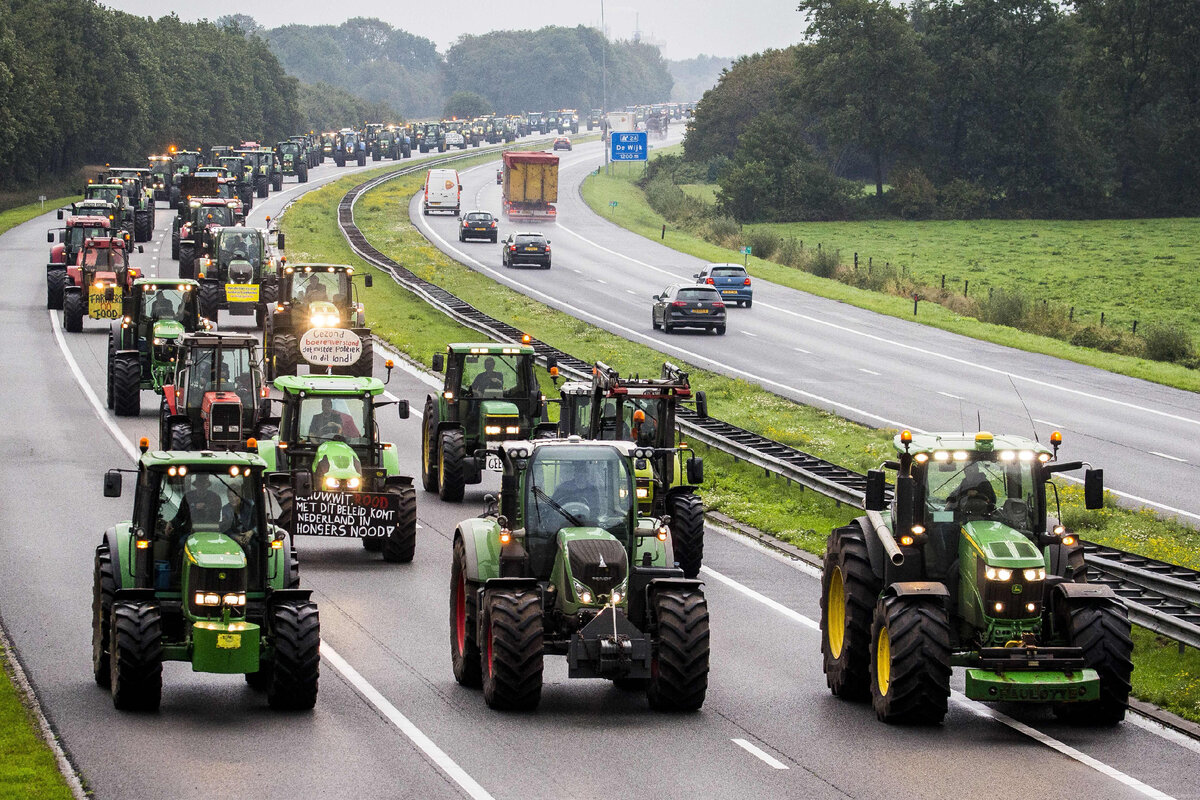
(332, 483)
(997, 574)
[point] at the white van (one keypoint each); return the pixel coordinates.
(443, 191)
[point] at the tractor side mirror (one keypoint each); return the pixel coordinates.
(127, 306)
(141, 249)
(697, 275)
(906, 491)
(695, 470)
(875, 498)
(60, 213)
(1093, 489)
(302, 483)
(439, 362)
(702, 405)
(279, 241)
(112, 483)
(402, 409)
(50, 236)
(368, 281)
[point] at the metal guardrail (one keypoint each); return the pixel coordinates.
(1161, 597)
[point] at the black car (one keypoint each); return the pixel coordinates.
(477, 225)
(688, 307)
(525, 248)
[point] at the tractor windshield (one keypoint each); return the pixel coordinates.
(332, 287)
(163, 302)
(241, 244)
(104, 257)
(574, 486)
(78, 234)
(1006, 492)
(627, 423)
(288, 149)
(323, 419)
(494, 375)
(221, 370)
(108, 194)
(215, 215)
(190, 502)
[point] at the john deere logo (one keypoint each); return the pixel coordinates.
(1016, 588)
(221, 575)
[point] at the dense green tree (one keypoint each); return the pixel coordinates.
(694, 76)
(466, 105)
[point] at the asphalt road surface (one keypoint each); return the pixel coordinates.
(390, 720)
(870, 368)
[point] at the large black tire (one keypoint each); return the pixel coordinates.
(464, 650)
(175, 244)
(143, 226)
(135, 656)
(173, 202)
(262, 186)
(302, 175)
(848, 592)
(365, 366)
(400, 546)
(209, 300)
(452, 452)
(372, 544)
(73, 312)
(687, 532)
(1101, 630)
(679, 676)
(296, 667)
(277, 183)
(910, 660)
(56, 279)
(511, 658)
(108, 382)
(429, 470)
(362, 158)
(180, 436)
(103, 587)
(286, 354)
(187, 260)
(127, 385)
(376, 153)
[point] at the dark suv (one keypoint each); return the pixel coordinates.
(525, 248)
(477, 225)
(688, 307)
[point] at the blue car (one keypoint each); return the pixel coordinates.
(730, 280)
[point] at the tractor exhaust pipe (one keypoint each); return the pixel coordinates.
(885, 537)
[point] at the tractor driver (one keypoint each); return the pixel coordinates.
(332, 422)
(200, 506)
(488, 381)
(162, 307)
(974, 495)
(315, 290)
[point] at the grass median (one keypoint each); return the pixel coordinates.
(735, 488)
(27, 765)
(15, 216)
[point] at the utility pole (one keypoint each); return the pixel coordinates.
(604, 80)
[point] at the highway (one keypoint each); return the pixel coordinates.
(390, 720)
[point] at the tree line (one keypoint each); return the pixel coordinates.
(962, 108)
(81, 83)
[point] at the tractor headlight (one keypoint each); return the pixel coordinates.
(582, 592)
(998, 574)
(208, 599)
(585, 597)
(1038, 574)
(616, 597)
(643, 492)
(491, 430)
(234, 599)
(158, 342)
(332, 483)
(324, 320)
(353, 483)
(512, 430)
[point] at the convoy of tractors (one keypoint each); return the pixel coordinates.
(593, 544)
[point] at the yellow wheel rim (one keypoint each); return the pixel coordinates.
(883, 661)
(835, 608)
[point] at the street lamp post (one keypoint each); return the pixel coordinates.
(604, 81)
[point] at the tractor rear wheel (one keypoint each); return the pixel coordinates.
(511, 660)
(277, 183)
(173, 201)
(464, 650)
(400, 546)
(296, 629)
(187, 260)
(365, 366)
(687, 532)
(286, 354)
(175, 244)
(910, 660)
(127, 385)
(143, 226)
(262, 186)
(209, 300)
(429, 472)
(362, 158)
(112, 356)
(1101, 630)
(452, 451)
(302, 175)
(73, 312)
(372, 544)
(103, 587)
(679, 670)
(848, 592)
(56, 279)
(135, 656)
(181, 436)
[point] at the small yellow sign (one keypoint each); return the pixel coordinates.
(99, 308)
(229, 641)
(241, 292)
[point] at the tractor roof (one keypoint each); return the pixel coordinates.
(328, 385)
(623, 447)
(490, 348)
(576, 387)
(206, 458)
(87, 220)
(320, 267)
(161, 281)
(214, 338)
(979, 443)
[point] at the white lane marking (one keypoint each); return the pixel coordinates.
(748, 333)
(961, 700)
(654, 342)
(393, 715)
(1169, 458)
(631, 291)
(577, 271)
(1054, 425)
(771, 761)
(601, 280)
(802, 350)
(364, 688)
(951, 396)
(868, 371)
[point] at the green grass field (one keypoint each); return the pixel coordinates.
(27, 765)
(15, 216)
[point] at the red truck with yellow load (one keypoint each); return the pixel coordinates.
(530, 186)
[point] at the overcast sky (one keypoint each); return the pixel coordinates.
(683, 29)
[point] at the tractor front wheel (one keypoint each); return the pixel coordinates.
(296, 628)
(848, 592)
(187, 260)
(401, 544)
(910, 660)
(1101, 630)
(286, 352)
(365, 366)
(464, 650)
(143, 226)
(127, 385)
(277, 183)
(302, 175)
(103, 587)
(180, 436)
(262, 186)
(679, 671)
(209, 300)
(73, 312)
(56, 279)
(135, 656)
(429, 473)
(687, 532)
(452, 452)
(511, 660)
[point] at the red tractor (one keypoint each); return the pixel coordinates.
(97, 281)
(204, 215)
(68, 241)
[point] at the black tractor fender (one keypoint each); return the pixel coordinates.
(134, 595)
(109, 537)
(1084, 591)
(917, 589)
(277, 596)
(398, 481)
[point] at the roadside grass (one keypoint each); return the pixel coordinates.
(27, 765)
(803, 518)
(1164, 676)
(15, 216)
(1130, 269)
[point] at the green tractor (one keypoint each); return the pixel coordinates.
(143, 344)
(183, 164)
(317, 310)
(260, 169)
(643, 410)
(332, 476)
(199, 575)
(491, 395)
(243, 178)
(139, 194)
(293, 161)
(967, 567)
(197, 219)
(162, 169)
(564, 565)
(217, 400)
(117, 196)
(237, 273)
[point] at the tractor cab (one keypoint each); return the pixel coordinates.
(325, 297)
(203, 216)
(68, 240)
(143, 344)
(237, 273)
(161, 169)
(97, 281)
(218, 398)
